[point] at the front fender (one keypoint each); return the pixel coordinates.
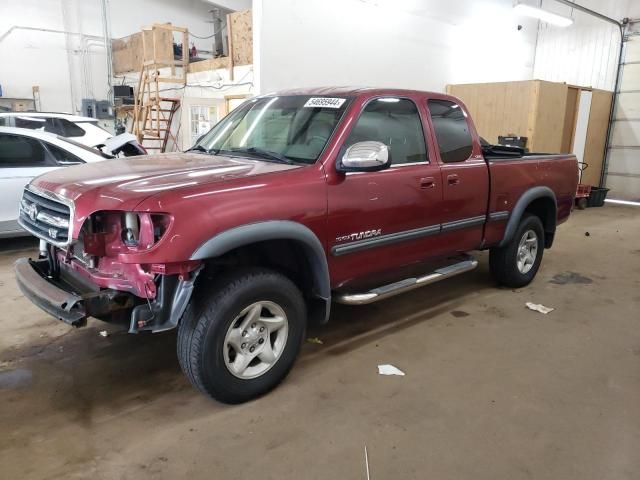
(275, 230)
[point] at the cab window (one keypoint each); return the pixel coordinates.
(396, 123)
(452, 131)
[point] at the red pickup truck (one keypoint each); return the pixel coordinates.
(294, 200)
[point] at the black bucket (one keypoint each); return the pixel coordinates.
(597, 197)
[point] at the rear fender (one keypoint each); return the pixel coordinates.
(525, 200)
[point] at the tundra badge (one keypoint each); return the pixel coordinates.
(359, 235)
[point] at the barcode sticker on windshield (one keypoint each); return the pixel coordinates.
(325, 102)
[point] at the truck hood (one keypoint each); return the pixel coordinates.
(121, 184)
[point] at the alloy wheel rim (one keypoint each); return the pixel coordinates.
(527, 251)
(255, 340)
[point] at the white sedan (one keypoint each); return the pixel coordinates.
(25, 154)
(84, 130)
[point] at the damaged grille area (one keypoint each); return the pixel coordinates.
(45, 217)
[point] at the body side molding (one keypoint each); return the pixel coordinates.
(383, 240)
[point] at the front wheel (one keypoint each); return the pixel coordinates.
(238, 341)
(516, 264)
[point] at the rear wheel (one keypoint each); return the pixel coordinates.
(238, 341)
(516, 264)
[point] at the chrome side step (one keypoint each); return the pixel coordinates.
(402, 286)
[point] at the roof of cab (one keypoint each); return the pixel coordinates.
(349, 91)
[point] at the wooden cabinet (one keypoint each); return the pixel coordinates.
(555, 117)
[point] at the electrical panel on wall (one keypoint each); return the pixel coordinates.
(97, 108)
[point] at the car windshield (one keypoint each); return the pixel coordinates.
(283, 129)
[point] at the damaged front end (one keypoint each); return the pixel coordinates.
(102, 273)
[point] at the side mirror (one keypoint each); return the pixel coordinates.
(365, 157)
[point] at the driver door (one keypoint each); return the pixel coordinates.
(385, 220)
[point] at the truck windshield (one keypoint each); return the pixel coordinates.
(286, 128)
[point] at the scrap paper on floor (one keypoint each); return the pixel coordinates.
(389, 370)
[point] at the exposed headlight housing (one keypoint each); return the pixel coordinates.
(112, 232)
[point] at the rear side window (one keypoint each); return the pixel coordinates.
(396, 123)
(4, 122)
(17, 151)
(62, 157)
(452, 131)
(38, 123)
(70, 129)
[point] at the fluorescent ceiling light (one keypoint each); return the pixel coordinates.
(544, 15)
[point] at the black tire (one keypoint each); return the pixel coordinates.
(503, 262)
(202, 331)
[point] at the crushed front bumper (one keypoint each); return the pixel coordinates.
(62, 301)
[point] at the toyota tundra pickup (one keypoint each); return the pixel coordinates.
(293, 201)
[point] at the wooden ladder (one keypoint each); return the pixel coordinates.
(153, 113)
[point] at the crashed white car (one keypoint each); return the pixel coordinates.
(25, 154)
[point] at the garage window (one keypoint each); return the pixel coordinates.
(17, 151)
(452, 131)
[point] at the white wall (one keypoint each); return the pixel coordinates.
(422, 44)
(65, 68)
(586, 53)
(34, 58)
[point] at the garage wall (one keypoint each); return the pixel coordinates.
(422, 44)
(586, 53)
(65, 68)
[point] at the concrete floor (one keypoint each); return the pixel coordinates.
(492, 390)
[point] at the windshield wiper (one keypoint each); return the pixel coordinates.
(198, 148)
(266, 154)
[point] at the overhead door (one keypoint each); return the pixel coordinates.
(623, 172)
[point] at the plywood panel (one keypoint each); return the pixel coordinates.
(209, 64)
(596, 136)
(162, 50)
(127, 53)
(570, 112)
(549, 117)
(498, 108)
(242, 37)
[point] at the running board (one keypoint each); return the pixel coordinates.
(402, 286)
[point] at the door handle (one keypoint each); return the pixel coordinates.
(453, 179)
(427, 182)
